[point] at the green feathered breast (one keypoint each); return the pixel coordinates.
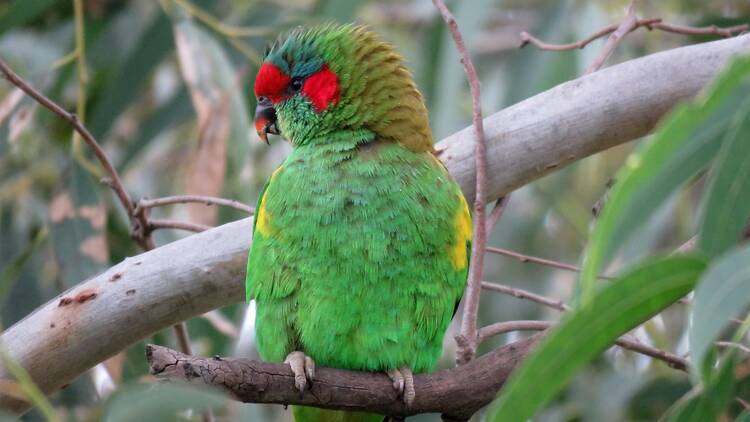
(361, 238)
(359, 257)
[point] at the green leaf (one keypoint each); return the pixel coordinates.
(132, 75)
(683, 146)
(727, 204)
(12, 270)
(158, 402)
(591, 329)
(78, 227)
(723, 292)
(174, 111)
(21, 12)
(706, 404)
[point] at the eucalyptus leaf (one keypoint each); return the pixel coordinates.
(723, 292)
(683, 145)
(159, 402)
(589, 330)
(78, 221)
(708, 402)
(726, 206)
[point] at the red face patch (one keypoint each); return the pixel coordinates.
(322, 88)
(271, 82)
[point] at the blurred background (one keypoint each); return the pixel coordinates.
(166, 87)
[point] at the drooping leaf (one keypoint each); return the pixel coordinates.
(131, 76)
(16, 111)
(158, 402)
(726, 206)
(707, 402)
(12, 270)
(78, 220)
(174, 111)
(684, 145)
(223, 129)
(22, 11)
(723, 292)
(592, 328)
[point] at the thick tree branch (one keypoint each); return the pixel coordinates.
(154, 290)
(457, 392)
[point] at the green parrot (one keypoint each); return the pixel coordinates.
(361, 237)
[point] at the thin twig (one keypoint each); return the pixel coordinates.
(525, 294)
(527, 38)
(113, 179)
(154, 224)
(537, 260)
(509, 326)
(628, 24)
(497, 213)
(71, 118)
(727, 32)
(626, 342)
(729, 344)
(467, 338)
(201, 199)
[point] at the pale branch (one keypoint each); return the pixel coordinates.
(628, 24)
(457, 392)
(200, 199)
(537, 260)
(626, 342)
(205, 271)
(553, 303)
(154, 224)
(467, 338)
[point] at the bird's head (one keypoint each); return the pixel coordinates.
(338, 81)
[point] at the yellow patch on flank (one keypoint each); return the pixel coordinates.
(263, 217)
(458, 252)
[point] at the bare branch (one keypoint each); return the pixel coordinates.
(524, 294)
(626, 342)
(467, 338)
(201, 199)
(71, 118)
(628, 24)
(648, 23)
(457, 392)
(727, 32)
(155, 224)
(537, 260)
(508, 326)
(527, 38)
(497, 213)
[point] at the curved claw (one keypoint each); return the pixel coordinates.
(403, 383)
(303, 368)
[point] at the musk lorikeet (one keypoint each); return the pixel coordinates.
(361, 237)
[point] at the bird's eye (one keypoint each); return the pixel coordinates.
(295, 85)
(263, 100)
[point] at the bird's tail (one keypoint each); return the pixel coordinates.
(313, 414)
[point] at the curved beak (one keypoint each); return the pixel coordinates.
(265, 120)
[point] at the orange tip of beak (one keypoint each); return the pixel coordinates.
(262, 129)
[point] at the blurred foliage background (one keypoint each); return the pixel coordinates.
(166, 87)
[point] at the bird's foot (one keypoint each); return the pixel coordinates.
(303, 368)
(403, 383)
